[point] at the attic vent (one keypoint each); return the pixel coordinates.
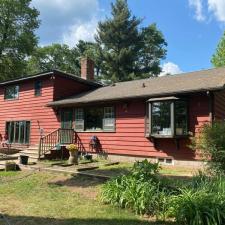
(143, 85)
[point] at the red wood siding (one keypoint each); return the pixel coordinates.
(219, 105)
(67, 87)
(31, 108)
(129, 138)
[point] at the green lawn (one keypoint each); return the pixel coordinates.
(124, 168)
(43, 198)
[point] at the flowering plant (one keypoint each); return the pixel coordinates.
(72, 147)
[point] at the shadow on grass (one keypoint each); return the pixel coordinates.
(83, 180)
(78, 181)
(111, 172)
(25, 220)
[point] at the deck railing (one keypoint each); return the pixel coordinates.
(56, 138)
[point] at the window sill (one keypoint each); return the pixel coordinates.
(169, 136)
(96, 131)
(12, 99)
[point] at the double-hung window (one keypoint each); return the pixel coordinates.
(167, 118)
(95, 119)
(108, 119)
(12, 92)
(79, 119)
(37, 88)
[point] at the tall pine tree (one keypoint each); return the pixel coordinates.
(126, 51)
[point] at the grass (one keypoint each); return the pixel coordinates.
(123, 168)
(54, 199)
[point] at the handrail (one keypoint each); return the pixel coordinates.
(57, 137)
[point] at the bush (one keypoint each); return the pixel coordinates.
(145, 170)
(140, 191)
(193, 207)
(202, 202)
(143, 197)
(211, 144)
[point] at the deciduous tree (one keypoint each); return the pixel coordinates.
(218, 58)
(18, 21)
(55, 56)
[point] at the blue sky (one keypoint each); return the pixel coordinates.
(192, 28)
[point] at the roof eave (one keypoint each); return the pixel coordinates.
(53, 72)
(67, 104)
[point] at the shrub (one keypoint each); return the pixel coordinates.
(199, 207)
(202, 202)
(140, 191)
(145, 170)
(211, 144)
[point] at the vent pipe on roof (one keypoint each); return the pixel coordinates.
(87, 68)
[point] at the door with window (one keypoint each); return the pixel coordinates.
(18, 131)
(66, 134)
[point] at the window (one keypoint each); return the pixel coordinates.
(108, 120)
(79, 119)
(167, 118)
(12, 92)
(37, 88)
(94, 119)
(181, 118)
(165, 161)
(161, 114)
(18, 131)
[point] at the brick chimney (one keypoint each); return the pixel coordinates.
(87, 68)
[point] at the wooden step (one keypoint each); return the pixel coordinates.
(29, 152)
(8, 158)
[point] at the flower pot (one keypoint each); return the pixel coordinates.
(23, 159)
(73, 159)
(88, 157)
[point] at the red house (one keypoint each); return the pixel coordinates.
(148, 118)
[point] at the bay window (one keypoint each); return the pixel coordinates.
(161, 118)
(94, 119)
(167, 118)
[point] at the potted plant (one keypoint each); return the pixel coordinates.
(73, 150)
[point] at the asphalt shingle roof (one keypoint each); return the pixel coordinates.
(204, 80)
(49, 73)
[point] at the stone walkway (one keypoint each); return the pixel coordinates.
(85, 169)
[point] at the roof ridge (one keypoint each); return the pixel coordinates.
(169, 75)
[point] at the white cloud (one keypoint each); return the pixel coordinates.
(217, 7)
(198, 7)
(66, 21)
(204, 9)
(170, 68)
(80, 31)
